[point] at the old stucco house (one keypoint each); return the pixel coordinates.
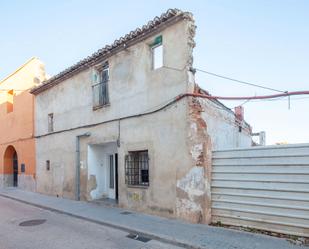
(17, 143)
(127, 123)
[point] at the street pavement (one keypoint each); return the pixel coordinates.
(170, 231)
(60, 231)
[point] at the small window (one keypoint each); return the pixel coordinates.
(47, 165)
(157, 53)
(137, 168)
(22, 168)
(10, 101)
(100, 86)
(50, 122)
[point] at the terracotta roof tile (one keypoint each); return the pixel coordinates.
(88, 61)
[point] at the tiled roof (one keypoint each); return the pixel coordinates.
(120, 43)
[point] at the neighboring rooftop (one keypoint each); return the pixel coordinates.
(18, 69)
(170, 16)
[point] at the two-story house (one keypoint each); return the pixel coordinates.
(117, 125)
(17, 143)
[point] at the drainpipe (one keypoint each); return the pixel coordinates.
(77, 173)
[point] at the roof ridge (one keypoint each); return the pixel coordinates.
(152, 24)
(18, 69)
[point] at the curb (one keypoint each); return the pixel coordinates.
(167, 240)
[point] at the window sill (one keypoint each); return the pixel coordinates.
(94, 108)
(138, 186)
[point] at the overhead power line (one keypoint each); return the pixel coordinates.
(273, 96)
(228, 78)
(239, 81)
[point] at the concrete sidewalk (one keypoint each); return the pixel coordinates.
(167, 230)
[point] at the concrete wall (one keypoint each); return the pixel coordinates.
(25, 150)
(178, 138)
(134, 88)
(225, 130)
(162, 134)
(17, 126)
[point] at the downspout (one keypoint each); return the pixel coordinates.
(77, 166)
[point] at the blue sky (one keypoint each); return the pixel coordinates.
(260, 41)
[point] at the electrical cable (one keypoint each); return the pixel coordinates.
(171, 102)
(239, 81)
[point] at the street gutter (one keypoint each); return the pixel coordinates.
(167, 240)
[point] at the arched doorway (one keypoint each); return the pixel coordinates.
(11, 166)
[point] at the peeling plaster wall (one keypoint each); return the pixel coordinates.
(6, 180)
(223, 128)
(193, 186)
(133, 88)
(27, 182)
(162, 134)
(178, 139)
(209, 127)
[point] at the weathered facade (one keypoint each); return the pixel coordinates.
(17, 144)
(117, 125)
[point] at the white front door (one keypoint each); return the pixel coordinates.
(111, 177)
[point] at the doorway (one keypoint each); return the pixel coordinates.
(10, 167)
(113, 176)
(103, 167)
(15, 170)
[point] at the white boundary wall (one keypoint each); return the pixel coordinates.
(262, 187)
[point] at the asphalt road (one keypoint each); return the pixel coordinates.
(60, 231)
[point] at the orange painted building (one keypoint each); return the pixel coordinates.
(17, 143)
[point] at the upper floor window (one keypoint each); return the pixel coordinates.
(100, 86)
(157, 53)
(10, 101)
(50, 122)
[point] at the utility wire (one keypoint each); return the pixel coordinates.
(239, 81)
(228, 78)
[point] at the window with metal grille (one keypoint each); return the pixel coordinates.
(137, 168)
(100, 86)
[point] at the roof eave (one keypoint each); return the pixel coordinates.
(97, 57)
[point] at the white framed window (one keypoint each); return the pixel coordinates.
(157, 53)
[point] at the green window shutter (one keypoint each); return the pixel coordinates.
(157, 41)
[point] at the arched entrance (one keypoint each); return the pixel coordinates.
(11, 166)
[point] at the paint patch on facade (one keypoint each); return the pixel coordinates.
(193, 183)
(196, 151)
(191, 194)
(92, 186)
